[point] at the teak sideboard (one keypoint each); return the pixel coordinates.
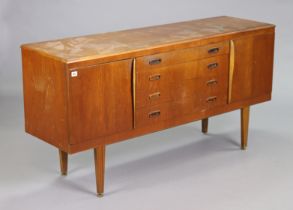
(90, 91)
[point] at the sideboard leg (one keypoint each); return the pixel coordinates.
(63, 156)
(244, 126)
(99, 154)
(204, 125)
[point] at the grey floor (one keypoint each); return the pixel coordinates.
(179, 168)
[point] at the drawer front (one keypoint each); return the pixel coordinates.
(166, 111)
(214, 49)
(166, 59)
(175, 91)
(162, 76)
(212, 67)
(161, 92)
(181, 56)
(216, 66)
(183, 80)
(196, 95)
(214, 100)
(215, 91)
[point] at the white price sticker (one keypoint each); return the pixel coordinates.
(74, 74)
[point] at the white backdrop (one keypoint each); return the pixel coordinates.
(174, 169)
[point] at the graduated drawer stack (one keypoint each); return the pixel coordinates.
(181, 82)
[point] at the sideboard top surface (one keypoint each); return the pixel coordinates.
(112, 43)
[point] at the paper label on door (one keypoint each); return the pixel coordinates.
(74, 74)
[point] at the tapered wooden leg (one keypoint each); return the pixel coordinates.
(204, 125)
(244, 126)
(99, 154)
(63, 156)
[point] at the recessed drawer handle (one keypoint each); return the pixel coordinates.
(213, 66)
(211, 99)
(154, 95)
(155, 61)
(155, 77)
(154, 114)
(212, 82)
(214, 50)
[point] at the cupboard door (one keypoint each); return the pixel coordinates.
(253, 67)
(100, 100)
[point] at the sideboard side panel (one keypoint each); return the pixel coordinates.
(263, 57)
(45, 98)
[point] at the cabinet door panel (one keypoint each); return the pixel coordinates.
(242, 74)
(101, 101)
(253, 67)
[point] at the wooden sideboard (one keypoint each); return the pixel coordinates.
(90, 91)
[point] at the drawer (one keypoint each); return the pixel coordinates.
(215, 49)
(214, 100)
(215, 85)
(216, 66)
(163, 76)
(166, 59)
(216, 92)
(211, 67)
(181, 56)
(166, 111)
(164, 90)
(170, 110)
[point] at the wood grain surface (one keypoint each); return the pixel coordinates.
(100, 101)
(86, 92)
(45, 98)
(107, 44)
(81, 105)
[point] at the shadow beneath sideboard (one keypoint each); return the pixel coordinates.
(171, 164)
